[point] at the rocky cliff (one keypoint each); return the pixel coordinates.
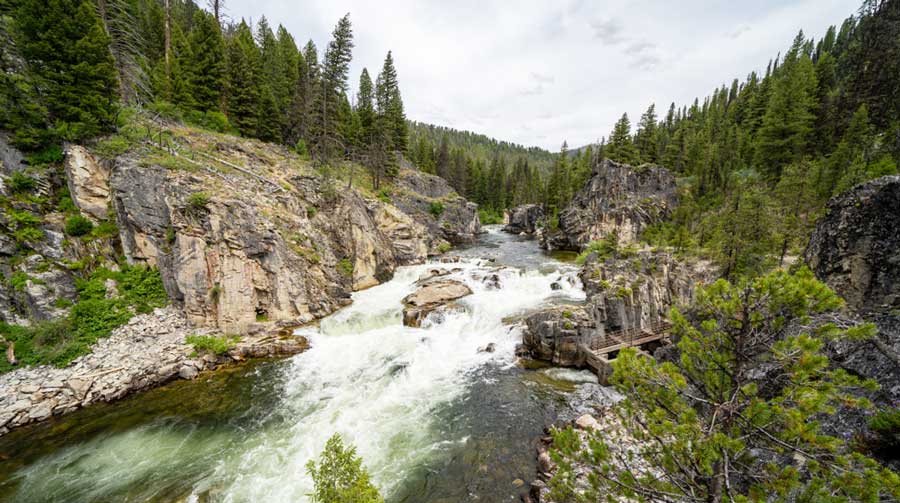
(855, 247)
(629, 290)
(524, 218)
(617, 199)
(430, 200)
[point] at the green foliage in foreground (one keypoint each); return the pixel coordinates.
(92, 317)
(215, 344)
(77, 225)
(704, 426)
(339, 476)
(605, 248)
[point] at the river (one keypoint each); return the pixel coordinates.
(434, 419)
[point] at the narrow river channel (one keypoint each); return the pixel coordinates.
(434, 419)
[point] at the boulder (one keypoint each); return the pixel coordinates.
(430, 297)
(88, 181)
(553, 334)
(855, 248)
(619, 199)
(523, 218)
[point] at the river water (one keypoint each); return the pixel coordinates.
(434, 419)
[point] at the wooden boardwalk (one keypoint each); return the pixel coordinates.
(596, 352)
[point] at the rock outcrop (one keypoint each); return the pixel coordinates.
(524, 218)
(430, 200)
(623, 292)
(433, 296)
(88, 181)
(855, 248)
(639, 291)
(553, 335)
(617, 199)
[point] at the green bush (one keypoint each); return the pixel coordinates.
(92, 317)
(20, 183)
(197, 201)
(112, 146)
(22, 219)
(886, 425)
(301, 148)
(488, 217)
(444, 247)
(49, 155)
(436, 208)
(345, 267)
(215, 344)
(28, 235)
(18, 280)
(384, 195)
(77, 225)
(106, 229)
(340, 477)
(604, 248)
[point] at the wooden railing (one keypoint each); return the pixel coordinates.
(634, 336)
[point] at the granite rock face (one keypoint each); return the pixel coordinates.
(524, 218)
(616, 199)
(855, 248)
(553, 334)
(431, 201)
(248, 252)
(88, 181)
(639, 291)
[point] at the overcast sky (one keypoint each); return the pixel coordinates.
(540, 72)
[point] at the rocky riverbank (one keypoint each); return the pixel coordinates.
(148, 351)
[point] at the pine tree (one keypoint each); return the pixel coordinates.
(787, 124)
(711, 422)
(646, 138)
(67, 53)
(390, 105)
(620, 147)
(328, 141)
(285, 78)
(365, 109)
(244, 94)
(206, 62)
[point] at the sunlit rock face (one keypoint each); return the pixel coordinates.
(855, 248)
(619, 199)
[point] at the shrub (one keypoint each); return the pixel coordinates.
(444, 247)
(604, 248)
(92, 317)
(311, 212)
(215, 344)
(345, 267)
(301, 148)
(339, 476)
(18, 280)
(488, 217)
(112, 146)
(436, 208)
(886, 425)
(384, 195)
(20, 183)
(28, 235)
(49, 155)
(197, 201)
(105, 229)
(23, 219)
(77, 225)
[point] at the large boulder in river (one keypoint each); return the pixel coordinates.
(553, 335)
(430, 297)
(523, 218)
(431, 201)
(855, 248)
(619, 199)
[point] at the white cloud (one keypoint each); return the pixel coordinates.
(538, 72)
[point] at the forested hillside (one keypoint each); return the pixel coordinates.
(70, 66)
(758, 159)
